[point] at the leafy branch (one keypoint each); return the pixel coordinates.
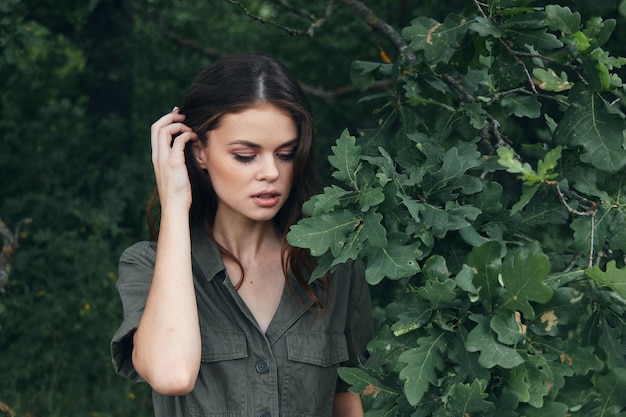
(498, 313)
(516, 54)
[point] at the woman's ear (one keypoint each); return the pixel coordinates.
(199, 154)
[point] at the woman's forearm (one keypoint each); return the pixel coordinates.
(347, 404)
(167, 344)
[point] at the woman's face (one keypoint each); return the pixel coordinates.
(250, 158)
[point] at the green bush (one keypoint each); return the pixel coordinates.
(492, 194)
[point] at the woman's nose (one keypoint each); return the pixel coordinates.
(268, 169)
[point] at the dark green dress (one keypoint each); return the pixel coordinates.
(290, 370)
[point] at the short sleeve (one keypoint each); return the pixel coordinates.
(359, 325)
(136, 267)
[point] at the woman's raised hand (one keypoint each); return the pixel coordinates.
(168, 159)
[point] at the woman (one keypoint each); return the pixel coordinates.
(219, 317)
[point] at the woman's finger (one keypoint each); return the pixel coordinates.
(180, 141)
(161, 136)
(164, 139)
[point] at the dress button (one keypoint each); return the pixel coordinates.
(262, 367)
(265, 414)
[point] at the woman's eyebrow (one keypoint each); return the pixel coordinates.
(244, 143)
(292, 142)
(250, 144)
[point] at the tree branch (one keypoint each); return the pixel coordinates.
(9, 247)
(174, 36)
(368, 16)
(6, 410)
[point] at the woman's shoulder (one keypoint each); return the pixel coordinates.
(351, 269)
(348, 277)
(143, 250)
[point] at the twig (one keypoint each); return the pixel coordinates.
(590, 206)
(491, 126)
(300, 12)
(291, 31)
(572, 263)
(592, 237)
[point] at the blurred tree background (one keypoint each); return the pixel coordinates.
(80, 84)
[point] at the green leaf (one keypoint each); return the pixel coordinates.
(524, 18)
(507, 159)
(467, 399)
(570, 353)
(464, 280)
(581, 40)
(548, 163)
(435, 269)
(345, 159)
(583, 230)
(492, 353)
(536, 378)
(361, 74)
(327, 201)
(538, 38)
(487, 261)
(617, 228)
(611, 388)
(549, 409)
(509, 327)
(324, 264)
(418, 314)
(394, 262)
(385, 347)
(367, 384)
(548, 80)
(414, 207)
(437, 40)
(599, 31)
(370, 197)
(565, 307)
(562, 18)
(522, 106)
(374, 231)
(613, 277)
(485, 27)
(452, 217)
(523, 279)
(440, 294)
(456, 162)
(589, 123)
(327, 231)
(506, 404)
(611, 342)
(350, 247)
(467, 366)
(528, 192)
(423, 362)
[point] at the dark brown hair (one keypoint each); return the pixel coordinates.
(232, 85)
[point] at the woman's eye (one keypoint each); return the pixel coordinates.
(286, 156)
(244, 158)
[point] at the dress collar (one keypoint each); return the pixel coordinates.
(205, 253)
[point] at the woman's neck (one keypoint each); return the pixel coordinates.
(247, 241)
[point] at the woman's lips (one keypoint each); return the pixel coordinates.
(266, 199)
